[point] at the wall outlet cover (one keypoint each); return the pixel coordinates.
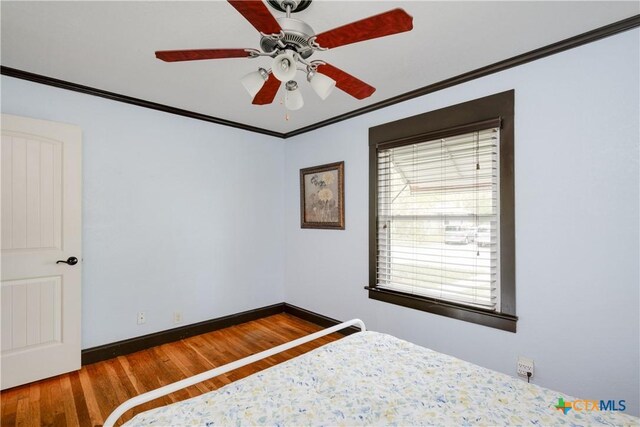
(525, 365)
(177, 317)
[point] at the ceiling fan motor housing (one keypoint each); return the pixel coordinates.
(296, 5)
(296, 37)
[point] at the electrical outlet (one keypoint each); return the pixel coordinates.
(142, 317)
(177, 317)
(525, 365)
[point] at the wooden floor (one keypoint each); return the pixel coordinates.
(88, 396)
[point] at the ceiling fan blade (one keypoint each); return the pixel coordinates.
(256, 12)
(268, 91)
(346, 82)
(392, 22)
(197, 54)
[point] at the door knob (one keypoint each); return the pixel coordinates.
(71, 261)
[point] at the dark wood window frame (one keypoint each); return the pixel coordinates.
(434, 124)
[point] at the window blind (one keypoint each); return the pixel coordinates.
(438, 218)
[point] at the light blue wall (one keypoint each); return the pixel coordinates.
(577, 255)
(186, 215)
(179, 214)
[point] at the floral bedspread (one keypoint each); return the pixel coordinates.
(375, 379)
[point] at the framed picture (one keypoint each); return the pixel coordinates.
(322, 196)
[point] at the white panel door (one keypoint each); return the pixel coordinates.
(41, 224)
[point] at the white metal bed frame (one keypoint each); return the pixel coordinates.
(170, 388)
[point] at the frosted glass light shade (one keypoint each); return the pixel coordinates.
(284, 67)
(254, 81)
(293, 99)
(322, 85)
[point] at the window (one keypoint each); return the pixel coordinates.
(441, 214)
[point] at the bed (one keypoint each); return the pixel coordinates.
(370, 378)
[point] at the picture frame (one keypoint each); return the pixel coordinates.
(322, 196)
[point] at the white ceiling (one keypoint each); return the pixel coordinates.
(110, 46)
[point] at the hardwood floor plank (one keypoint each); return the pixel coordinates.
(55, 394)
(46, 407)
(79, 400)
(144, 369)
(126, 367)
(101, 388)
(184, 369)
(21, 399)
(171, 374)
(9, 407)
(88, 396)
(71, 413)
(22, 413)
(34, 404)
(95, 417)
(121, 386)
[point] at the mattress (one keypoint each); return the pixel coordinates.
(370, 378)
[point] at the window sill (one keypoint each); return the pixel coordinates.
(492, 319)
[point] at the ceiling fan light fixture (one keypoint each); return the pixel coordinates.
(290, 42)
(254, 81)
(292, 97)
(284, 66)
(321, 84)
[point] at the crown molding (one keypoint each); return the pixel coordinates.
(552, 49)
(63, 84)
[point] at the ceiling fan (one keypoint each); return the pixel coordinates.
(290, 42)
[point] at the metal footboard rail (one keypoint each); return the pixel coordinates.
(170, 388)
